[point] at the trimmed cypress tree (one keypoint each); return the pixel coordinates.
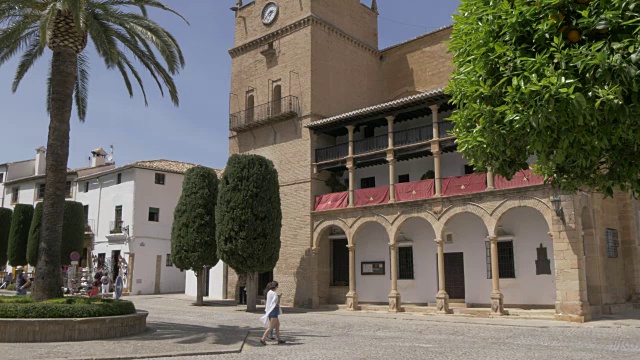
(193, 235)
(72, 232)
(249, 219)
(19, 234)
(5, 228)
(34, 236)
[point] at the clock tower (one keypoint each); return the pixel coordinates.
(294, 62)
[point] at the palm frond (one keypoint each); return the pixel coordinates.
(29, 58)
(81, 91)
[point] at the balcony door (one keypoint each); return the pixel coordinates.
(277, 100)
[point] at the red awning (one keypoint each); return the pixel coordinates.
(372, 196)
(464, 184)
(521, 178)
(415, 190)
(332, 201)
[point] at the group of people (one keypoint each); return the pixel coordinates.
(23, 282)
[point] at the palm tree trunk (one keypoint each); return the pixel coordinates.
(251, 289)
(63, 77)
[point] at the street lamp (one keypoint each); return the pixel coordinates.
(556, 201)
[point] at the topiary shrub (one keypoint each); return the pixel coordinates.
(24, 307)
(5, 228)
(19, 234)
(72, 232)
(34, 235)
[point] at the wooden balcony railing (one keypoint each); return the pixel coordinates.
(375, 143)
(285, 108)
(332, 152)
(413, 136)
(445, 129)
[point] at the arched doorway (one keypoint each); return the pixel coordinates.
(332, 265)
(526, 258)
(417, 269)
(465, 259)
(373, 272)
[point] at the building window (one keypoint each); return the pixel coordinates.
(154, 214)
(86, 214)
(159, 179)
(1, 178)
(403, 178)
(369, 132)
(119, 180)
(339, 262)
(169, 263)
(117, 224)
(612, 242)
(86, 187)
(405, 263)
(40, 192)
(15, 195)
(249, 108)
(68, 189)
(468, 170)
(366, 183)
(506, 260)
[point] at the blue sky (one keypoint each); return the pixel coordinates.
(195, 132)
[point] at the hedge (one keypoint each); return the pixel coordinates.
(24, 307)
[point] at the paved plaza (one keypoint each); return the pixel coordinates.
(220, 330)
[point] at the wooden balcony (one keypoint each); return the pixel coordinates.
(413, 136)
(332, 152)
(282, 109)
(371, 144)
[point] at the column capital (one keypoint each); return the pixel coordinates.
(436, 152)
(351, 247)
(391, 118)
(393, 245)
(434, 107)
(439, 241)
(351, 127)
(391, 159)
(492, 238)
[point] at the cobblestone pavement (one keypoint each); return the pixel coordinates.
(341, 335)
(174, 323)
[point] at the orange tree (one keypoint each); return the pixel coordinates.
(557, 79)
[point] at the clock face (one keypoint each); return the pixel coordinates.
(269, 13)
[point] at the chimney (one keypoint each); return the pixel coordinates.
(41, 160)
(98, 157)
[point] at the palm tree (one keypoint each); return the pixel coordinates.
(121, 32)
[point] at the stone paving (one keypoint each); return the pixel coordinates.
(177, 328)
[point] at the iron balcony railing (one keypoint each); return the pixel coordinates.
(445, 129)
(281, 109)
(375, 143)
(413, 136)
(332, 152)
(89, 226)
(115, 227)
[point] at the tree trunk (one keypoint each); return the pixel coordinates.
(252, 288)
(63, 77)
(199, 285)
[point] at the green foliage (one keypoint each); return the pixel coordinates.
(70, 307)
(33, 245)
(5, 228)
(19, 234)
(335, 182)
(193, 235)
(121, 38)
(429, 175)
(72, 232)
(248, 216)
(557, 79)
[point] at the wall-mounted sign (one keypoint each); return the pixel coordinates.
(372, 268)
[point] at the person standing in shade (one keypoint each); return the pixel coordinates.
(105, 284)
(22, 281)
(272, 311)
(242, 284)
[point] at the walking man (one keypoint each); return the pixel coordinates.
(22, 281)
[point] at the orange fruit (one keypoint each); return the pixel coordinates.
(573, 35)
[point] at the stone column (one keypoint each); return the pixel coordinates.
(490, 179)
(391, 159)
(352, 295)
(497, 299)
(436, 120)
(351, 167)
(442, 298)
(395, 304)
(436, 170)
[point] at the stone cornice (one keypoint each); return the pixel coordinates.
(299, 25)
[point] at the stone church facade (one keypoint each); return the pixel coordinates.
(378, 206)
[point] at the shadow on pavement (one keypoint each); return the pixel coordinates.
(191, 334)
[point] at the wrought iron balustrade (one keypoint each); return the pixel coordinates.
(445, 129)
(332, 152)
(115, 227)
(281, 109)
(375, 143)
(413, 136)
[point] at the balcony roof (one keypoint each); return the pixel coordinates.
(426, 98)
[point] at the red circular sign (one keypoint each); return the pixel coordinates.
(75, 256)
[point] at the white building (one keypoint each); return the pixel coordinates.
(130, 212)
